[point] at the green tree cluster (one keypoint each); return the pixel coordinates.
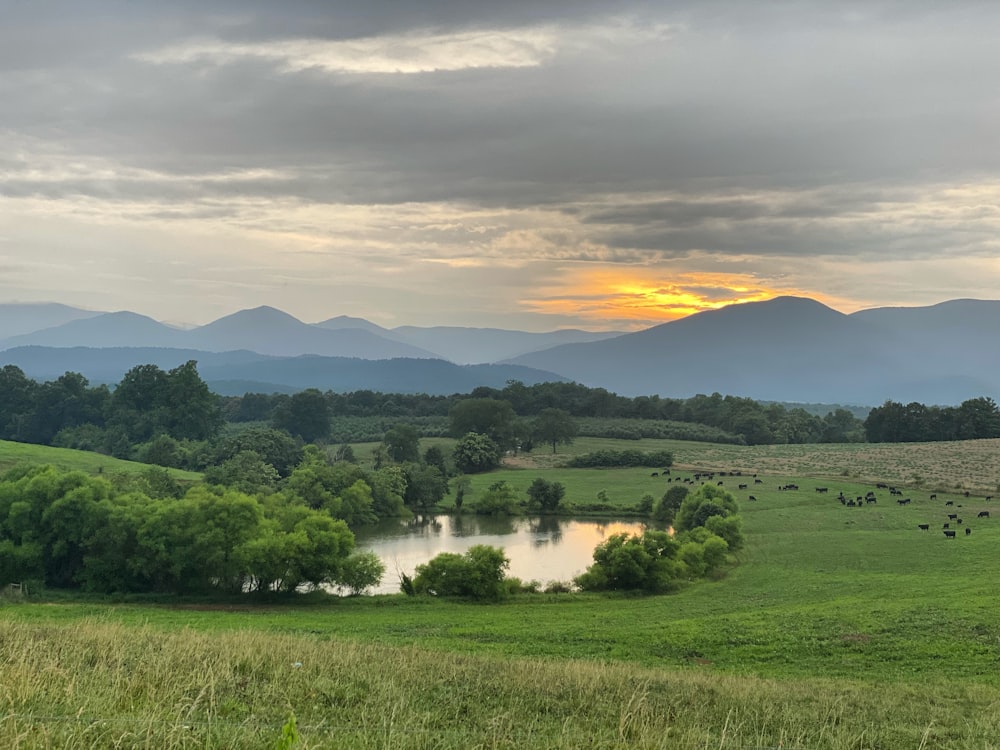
(72, 530)
(707, 529)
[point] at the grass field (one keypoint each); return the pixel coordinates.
(12, 454)
(838, 628)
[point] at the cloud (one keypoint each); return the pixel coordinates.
(402, 53)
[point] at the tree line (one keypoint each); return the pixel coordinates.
(731, 418)
(171, 417)
(894, 422)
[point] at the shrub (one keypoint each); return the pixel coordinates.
(478, 574)
(618, 458)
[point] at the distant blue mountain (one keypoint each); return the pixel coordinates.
(19, 318)
(796, 349)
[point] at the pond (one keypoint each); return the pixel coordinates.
(541, 548)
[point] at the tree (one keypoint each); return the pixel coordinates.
(622, 562)
(475, 453)
(194, 412)
(402, 443)
(499, 499)
(306, 415)
(360, 572)
(668, 505)
(545, 496)
(478, 574)
(245, 472)
(554, 427)
(276, 447)
(486, 416)
(700, 505)
(426, 486)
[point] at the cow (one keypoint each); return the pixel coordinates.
(949, 502)
(822, 489)
(923, 526)
(655, 474)
(881, 486)
(949, 534)
(934, 496)
(959, 521)
(871, 500)
(946, 526)
(761, 481)
(904, 502)
(752, 499)
(966, 493)
(719, 484)
(983, 514)
(742, 486)
(967, 531)
(952, 516)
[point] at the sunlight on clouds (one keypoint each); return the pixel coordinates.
(645, 297)
(424, 51)
(401, 53)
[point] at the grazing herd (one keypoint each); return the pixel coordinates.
(869, 498)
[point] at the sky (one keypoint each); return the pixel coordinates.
(520, 164)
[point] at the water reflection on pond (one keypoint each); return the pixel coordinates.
(541, 548)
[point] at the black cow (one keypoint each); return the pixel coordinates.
(967, 531)
(905, 501)
(881, 486)
(870, 500)
(983, 514)
(952, 516)
(949, 502)
(761, 481)
(719, 484)
(934, 496)
(946, 526)
(655, 474)
(822, 489)
(923, 526)
(949, 534)
(742, 486)
(752, 499)
(966, 493)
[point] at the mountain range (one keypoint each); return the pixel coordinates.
(788, 349)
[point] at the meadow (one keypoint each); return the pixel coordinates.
(12, 453)
(836, 627)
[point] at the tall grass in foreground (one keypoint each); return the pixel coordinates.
(96, 684)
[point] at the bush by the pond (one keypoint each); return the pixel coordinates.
(478, 574)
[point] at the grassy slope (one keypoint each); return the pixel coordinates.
(840, 627)
(72, 460)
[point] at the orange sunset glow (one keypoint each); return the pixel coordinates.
(644, 298)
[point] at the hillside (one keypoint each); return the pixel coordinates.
(12, 453)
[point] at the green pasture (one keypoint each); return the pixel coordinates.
(835, 627)
(12, 453)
